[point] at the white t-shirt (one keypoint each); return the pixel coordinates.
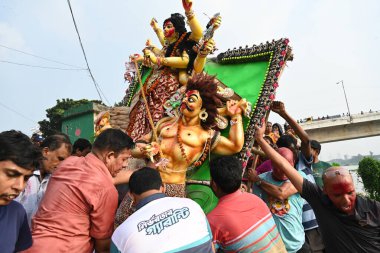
(164, 225)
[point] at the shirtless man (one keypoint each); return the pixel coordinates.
(185, 142)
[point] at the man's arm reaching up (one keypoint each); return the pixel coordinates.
(279, 161)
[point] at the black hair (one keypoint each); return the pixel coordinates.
(178, 21)
(280, 131)
(113, 140)
(55, 141)
(316, 145)
(18, 148)
(288, 141)
(144, 179)
(226, 172)
(81, 144)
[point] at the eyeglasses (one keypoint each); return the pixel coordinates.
(334, 173)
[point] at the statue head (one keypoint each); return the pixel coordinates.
(102, 119)
(178, 22)
(206, 87)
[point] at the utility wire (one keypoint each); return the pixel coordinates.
(85, 57)
(23, 116)
(40, 57)
(37, 66)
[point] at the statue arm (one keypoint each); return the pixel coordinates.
(200, 60)
(234, 142)
(152, 47)
(174, 62)
(196, 28)
(158, 31)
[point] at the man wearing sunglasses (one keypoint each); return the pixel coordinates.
(349, 223)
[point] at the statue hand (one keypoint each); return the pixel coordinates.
(278, 107)
(154, 24)
(187, 4)
(152, 149)
(207, 48)
(148, 43)
(233, 108)
(149, 56)
(217, 22)
(135, 57)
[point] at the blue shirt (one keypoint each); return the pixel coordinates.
(309, 221)
(14, 229)
(287, 214)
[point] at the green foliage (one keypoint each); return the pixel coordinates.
(335, 164)
(369, 171)
(54, 122)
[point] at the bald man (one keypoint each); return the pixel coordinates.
(349, 223)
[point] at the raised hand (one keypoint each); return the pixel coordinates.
(233, 108)
(216, 22)
(135, 57)
(149, 57)
(187, 4)
(207, 48)
(148, 43)
(154, 24)
(278, 107)
(259, 133)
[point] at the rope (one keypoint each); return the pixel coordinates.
(154, 131)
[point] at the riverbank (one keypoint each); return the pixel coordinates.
(356, 178)
(353, 161)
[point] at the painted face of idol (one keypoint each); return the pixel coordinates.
(169, 29)
(191, 104)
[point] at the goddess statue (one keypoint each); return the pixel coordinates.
(170, 67)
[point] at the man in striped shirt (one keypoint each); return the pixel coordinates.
(241, 222)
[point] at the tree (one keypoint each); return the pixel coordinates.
(369, 171)
(54, 122)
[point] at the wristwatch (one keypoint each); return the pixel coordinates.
(258, 183)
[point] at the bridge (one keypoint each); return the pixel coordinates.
(340, 128)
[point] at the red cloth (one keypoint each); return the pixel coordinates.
(79, 204)
(242, 222)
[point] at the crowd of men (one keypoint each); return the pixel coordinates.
(59, 197)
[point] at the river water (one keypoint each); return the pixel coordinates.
(356, 178)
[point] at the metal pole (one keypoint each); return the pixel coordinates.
(345, 96)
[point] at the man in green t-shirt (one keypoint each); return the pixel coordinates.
(318, 166)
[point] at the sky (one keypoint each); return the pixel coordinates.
(331, 41)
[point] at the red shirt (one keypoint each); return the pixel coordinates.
(79, 204)
(242, 222)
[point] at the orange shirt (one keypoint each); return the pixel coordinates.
(79, 204)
